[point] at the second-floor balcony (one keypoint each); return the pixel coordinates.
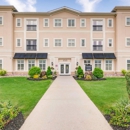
(31, 27)
(31, 47)
(97, 47)
(97, 28)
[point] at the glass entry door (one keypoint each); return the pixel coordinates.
(64, 69)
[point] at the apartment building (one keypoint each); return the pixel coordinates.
(64, 38)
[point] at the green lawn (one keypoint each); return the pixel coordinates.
(23, 93)
(106, 93)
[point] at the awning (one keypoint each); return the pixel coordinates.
(19, 56)
(30, 56)
(41, 56)
(87, 55)
(109, 56)
(98, 55)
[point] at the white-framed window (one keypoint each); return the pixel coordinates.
(46, 42)
(97, 44)
(18, 22)
(1, 20)
(71, 43)
(128, 41)
(108, 64)
(1, 41)
(82, 22)
(71, 23)
(127, 21)
(31, 25)
(20, 64)
(31, 44)
(42, 64)
(128, 64)
(18, 42)
(97, 25)
(110, 23)
(110, 42)
(86, 63)
(58, 42)
(57, 22)
(82, 42)
(1, 64)
(31, 63)
(46, 22)
(98, 64)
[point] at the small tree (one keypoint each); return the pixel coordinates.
(80, 71)
(49, 72)
(127, 76)
(98, 73)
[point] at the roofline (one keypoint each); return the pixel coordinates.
(121, 8)
(8, 7)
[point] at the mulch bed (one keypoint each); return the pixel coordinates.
(115, 127)
(39, 79)
(16, 123)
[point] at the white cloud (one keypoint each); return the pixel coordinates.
(125, 2)
(22, 5)
(88, 5)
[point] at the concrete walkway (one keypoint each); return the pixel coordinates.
(65, 106)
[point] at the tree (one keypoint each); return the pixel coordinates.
(49, 72)
(98, 73)
(127, 77)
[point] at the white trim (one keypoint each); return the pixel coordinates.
(28, 63)
(126, 20)
(105, 65)
(20, 42)
(31, 39)
(81, 22)
(102, 65)
(108, 42)
(17, 65)
(56, 39)
(2, 63)
(126, 41)
(57, 26)
(68, 42)
(108, 22)
(2, 41)
(81, 42)
(44, 22)
(68, 22)
(126, 63)
(2, 20)
(85, 64)
(45, 64)
(44, 42)
(20, 22)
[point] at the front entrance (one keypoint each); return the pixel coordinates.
(64, 69)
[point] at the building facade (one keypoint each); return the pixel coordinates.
(64, 39)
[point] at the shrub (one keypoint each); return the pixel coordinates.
(44, 77)
(50, 76)
(36, 76)
(80, 71)
(34, 71)
(127, 76)
(2, 72)
(42, 73)
(123, 72)
(49, 72)
(55, 73)
(88, 77)
(93, 77)
(98, 73)
(120, 114)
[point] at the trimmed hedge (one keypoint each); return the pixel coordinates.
(98, 73)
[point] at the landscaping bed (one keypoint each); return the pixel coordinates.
(40, 79)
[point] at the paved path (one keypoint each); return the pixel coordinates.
(65, 107)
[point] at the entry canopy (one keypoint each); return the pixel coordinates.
(98, 56)
(30, 56)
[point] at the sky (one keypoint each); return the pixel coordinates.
(81, 5)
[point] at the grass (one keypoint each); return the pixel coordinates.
(23, 93)
(105, 93)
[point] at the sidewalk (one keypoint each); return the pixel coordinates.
(65, 106)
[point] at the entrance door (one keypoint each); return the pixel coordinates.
(64, 69)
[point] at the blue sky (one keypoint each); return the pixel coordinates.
(81, 5)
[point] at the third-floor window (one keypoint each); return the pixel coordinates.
(97, 25)
(57, 22)
(31, 25)
(31, 44)
(71, 23)
(97, 45)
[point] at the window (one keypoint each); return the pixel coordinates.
(42, 64)
(46, 22)
(58, 42)
(0, 64)
(128, 64)
(1, 20)
(57, 22)
(86, 63)
(71, 43)
(127, 41)
(97, 45)
(110, 23)
(71, 23)
(46, 42)
(20, 64)
(98, 64)
(83, 23)
(110, 42)
(31, 45)
(18, 44)
(83, 43)
(1, 41)
(97, 25)
(108, 64)
(18, 22)
(31, 63)
(31, 25)
(128, 21)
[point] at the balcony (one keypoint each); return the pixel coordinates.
(97, 27)
(97, 47)
(31, 27)
(31, 47)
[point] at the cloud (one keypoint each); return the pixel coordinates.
(22, 5)
(88, 5)
(125, 2)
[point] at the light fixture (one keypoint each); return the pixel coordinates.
(77, 63)
(52, 63)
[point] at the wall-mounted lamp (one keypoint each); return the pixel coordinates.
(51, 63)
(77, 63)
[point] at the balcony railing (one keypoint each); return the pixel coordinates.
(31, 47)
(97, 27)
(97, 47)
(31, 27)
